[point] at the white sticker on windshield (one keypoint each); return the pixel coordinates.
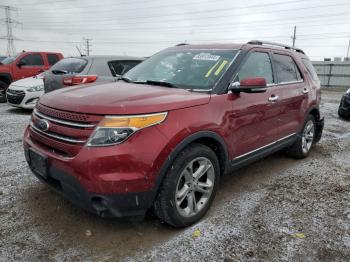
(206, 57)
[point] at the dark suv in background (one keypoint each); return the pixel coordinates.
(88, 69)
(163, 135)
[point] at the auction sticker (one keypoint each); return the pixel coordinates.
(206, 57)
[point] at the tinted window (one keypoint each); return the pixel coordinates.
(70, 65)
(257, 65)
(121, 67)
(52, 58)
(33, 60)
(286, 69)
(310, 68)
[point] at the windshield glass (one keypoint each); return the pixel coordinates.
(194, 69)
(8, 60)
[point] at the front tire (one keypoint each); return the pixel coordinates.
(189, 187)
(302, 146)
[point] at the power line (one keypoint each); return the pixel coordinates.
(9, 24)
(215, 10)
(134, 19)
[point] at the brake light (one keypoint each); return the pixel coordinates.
(78, 80)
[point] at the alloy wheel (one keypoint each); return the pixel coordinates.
(195, 186)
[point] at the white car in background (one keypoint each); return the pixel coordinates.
(26, 92)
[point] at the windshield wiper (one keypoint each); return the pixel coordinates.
(59, 72)
(160, 83)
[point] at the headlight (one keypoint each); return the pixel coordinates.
(348, 92)
(114, 130)
(36, 88)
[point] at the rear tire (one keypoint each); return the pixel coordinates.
(3, 88)
(305, 141)
(189, 187)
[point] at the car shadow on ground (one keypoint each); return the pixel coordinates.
(19, 111)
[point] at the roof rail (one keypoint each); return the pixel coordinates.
(181, 44)
(259, 42)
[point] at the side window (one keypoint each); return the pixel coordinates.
(33, 60)
(121, 67)
(257, 65)
(52, 58)
(310, 68)
(286, 69)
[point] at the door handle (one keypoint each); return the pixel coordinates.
(273, 98)
(305, 90)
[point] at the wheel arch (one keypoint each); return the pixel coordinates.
(208, 138)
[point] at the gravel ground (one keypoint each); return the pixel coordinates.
(277, 209)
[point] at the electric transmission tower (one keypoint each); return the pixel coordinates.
(87, 45)
(9, 22)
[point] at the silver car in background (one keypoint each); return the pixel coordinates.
(72, 71)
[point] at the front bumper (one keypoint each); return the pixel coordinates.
(26, 100)
(110, 181)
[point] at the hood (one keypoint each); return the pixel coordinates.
(121, 98)
(28, 82)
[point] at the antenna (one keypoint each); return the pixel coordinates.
(11, 50)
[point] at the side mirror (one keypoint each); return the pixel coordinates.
(249, 85)
(21, 63)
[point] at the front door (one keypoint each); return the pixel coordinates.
(255, 116)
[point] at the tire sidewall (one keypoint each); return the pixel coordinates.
(174, 174)
(310, 117)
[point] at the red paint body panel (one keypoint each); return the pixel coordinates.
(243, 121)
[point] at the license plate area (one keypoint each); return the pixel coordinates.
(38, 163)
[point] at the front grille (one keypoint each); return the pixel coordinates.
(64, 114)
(63, 132)
(15, 96)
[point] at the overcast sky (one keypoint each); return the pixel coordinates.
(143, 27)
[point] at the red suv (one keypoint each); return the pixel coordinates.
(25, 64)
(162, 135)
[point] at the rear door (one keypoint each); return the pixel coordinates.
(292, 86)
(30, 65)
(255, 116)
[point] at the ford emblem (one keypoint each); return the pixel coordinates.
(43, 125)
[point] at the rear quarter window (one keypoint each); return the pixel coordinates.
(118, 67)
(70, 65)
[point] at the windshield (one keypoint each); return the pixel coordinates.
(8, 60)
(193, 69)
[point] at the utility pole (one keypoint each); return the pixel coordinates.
(9, 24)
(294, 35)
(347, 54)
(87, 45)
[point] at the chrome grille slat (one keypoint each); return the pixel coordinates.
(58, 137)
(63, 122)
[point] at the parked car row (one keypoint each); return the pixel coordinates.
(63, 73)
(161, 137)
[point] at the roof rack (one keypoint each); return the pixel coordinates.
(259, 42)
